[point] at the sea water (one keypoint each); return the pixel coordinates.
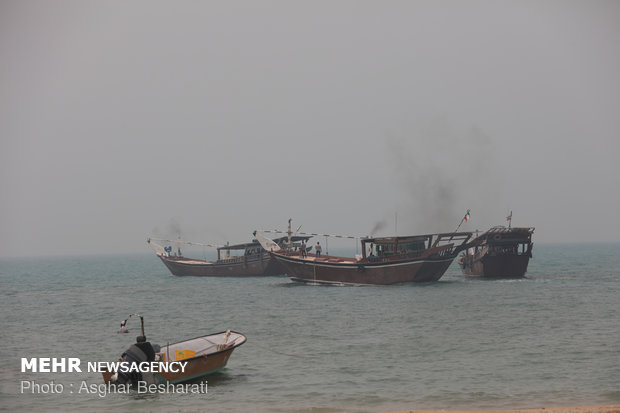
(550, 339)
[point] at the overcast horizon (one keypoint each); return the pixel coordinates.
(124, 120)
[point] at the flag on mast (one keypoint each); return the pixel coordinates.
(509, 217)
(465, 218)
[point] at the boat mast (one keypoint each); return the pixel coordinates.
(465, 218)
(289, 232)
(396, 223)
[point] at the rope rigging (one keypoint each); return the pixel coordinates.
(186, 242)
(275, 231)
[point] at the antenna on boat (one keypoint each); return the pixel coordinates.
(396, 223)
(289, 232)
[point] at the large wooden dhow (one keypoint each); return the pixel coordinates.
(247, 259)
(384, 260)
(499, 252)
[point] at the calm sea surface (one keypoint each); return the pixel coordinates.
(550, 339)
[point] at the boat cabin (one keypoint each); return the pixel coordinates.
(239, 250)
(251, 248)
(390, 246)
(411, 246)
(500, 240)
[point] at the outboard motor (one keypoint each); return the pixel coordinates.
(140, 352)
(136, 354)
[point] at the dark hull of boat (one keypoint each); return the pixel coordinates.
(257, 265)
(330, 271)
(499, 253)
(499, 266)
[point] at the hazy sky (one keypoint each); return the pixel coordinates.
(124, 119)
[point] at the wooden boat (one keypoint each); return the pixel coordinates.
(204, 355)
(499, 252)
(390, 260)
(253, 260)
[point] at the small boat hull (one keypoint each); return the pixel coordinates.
(209, 354)
(197, 368)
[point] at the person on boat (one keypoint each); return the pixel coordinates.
(302, 248)
(318, 249)
(140, 352)
(146, 347)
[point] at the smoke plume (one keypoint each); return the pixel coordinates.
(378, 227)
(442, 173)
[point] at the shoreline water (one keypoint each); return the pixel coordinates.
(458, 345)
(604, 408)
